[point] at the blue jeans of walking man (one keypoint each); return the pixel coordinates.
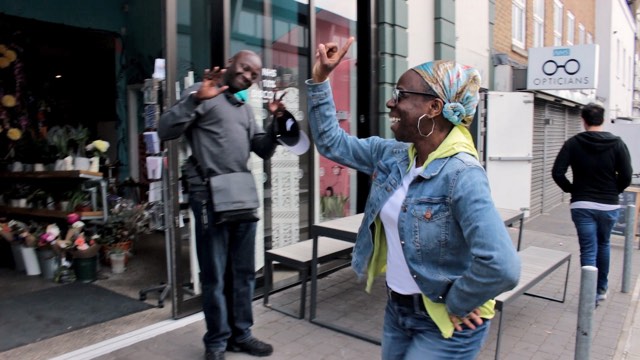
(594, 233)
(226, 254)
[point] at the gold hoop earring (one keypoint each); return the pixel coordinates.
(433, 126)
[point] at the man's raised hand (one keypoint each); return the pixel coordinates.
(327, 58)
(211, 87)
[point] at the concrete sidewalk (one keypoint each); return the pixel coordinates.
(533, 328)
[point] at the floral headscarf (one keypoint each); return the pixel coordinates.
(457, 85)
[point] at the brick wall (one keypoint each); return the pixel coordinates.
(583, 10)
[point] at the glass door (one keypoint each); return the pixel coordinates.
(279, 32)
(207, 33)
(336, 22)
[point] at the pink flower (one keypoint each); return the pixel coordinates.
(72, 218)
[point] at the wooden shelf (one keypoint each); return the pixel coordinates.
(56, 214)
(44, 175)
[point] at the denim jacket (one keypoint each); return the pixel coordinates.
(453, 238)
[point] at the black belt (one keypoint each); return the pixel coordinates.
(413, 301)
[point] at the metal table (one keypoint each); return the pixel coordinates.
(346, 229)
(510, 217)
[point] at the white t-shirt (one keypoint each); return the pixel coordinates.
(399, 278)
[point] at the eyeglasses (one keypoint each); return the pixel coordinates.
(396, 94)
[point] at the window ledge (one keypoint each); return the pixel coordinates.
(520, 51)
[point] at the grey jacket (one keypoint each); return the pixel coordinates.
(221, 132)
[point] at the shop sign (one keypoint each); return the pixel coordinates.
(563, 68)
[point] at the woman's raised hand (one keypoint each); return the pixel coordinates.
(327, 58)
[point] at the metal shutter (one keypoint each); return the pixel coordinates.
(537, 165)
(553, 124)
(555, 138)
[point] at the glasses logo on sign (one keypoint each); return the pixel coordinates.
(570, 67)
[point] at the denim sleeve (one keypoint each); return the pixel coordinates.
(331, 140)
(495, 265)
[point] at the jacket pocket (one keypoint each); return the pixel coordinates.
(430, 231)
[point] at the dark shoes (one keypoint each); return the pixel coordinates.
(252, 346)
(214, 355)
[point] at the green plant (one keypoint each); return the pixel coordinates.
(125, 222)
(77, 198)
(18, 191)
(38, 198)
(59, 137)
(80, 135)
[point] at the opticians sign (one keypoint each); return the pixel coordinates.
(563, 68)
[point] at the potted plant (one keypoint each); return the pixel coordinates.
(79, 137)
(78, 200)
(38, 199)
(118, 259)
(126, 221)
(83, 248)
(58, 136)
(17, 195)
(98, 149)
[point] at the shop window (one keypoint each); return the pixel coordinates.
(55, 75)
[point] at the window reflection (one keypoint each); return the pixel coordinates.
(279, 32)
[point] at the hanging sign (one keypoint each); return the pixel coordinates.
(563, 68)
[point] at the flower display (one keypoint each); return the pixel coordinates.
(7, 56)
(14, 134)
(22, 233)
(8, 101)
(17, 109)
(98, 148)
(78, 242)
(49, 237)
(125, 222)
(99, 145)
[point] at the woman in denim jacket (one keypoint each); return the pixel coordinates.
(430, 224)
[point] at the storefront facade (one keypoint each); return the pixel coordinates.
(194, 35)
(297, 190)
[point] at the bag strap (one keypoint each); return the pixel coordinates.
(196, 165)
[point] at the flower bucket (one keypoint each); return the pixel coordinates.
(31, 264)
(48, 263)
(17, 256)
(86, 269)
(117, 262)
(124, 246)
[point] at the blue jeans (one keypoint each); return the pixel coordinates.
(226, 255)
(410, 334)
(594, 231)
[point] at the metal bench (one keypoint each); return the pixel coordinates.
(537, 263)
(299, 256)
